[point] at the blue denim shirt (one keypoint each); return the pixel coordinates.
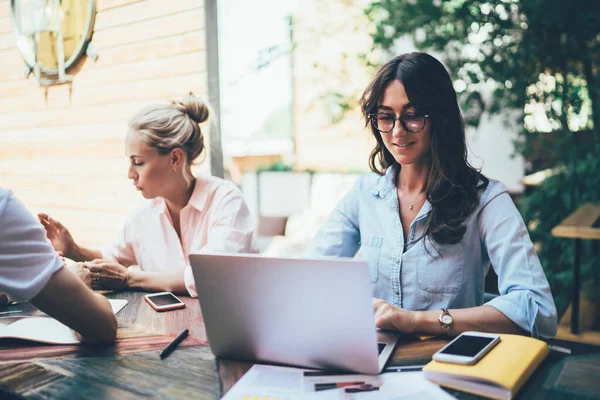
(422, 279)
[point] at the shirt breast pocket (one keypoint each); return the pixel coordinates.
(441, 269)
(373, 250)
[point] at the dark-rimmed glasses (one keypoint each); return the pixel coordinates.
(385, 123)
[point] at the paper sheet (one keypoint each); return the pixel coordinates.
(404, 386)
(44, 329)
(264, 382)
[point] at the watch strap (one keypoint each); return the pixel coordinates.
(445, 326)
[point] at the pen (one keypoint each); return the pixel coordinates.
(171, 346)
(559, 349)
(10, 312)
(335, 385)
(326, 373)
(361, 389)
(404, 369)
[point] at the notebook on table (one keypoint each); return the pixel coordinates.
(315, 313)
(43, 329)
(499, 374)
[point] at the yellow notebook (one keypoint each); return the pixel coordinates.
(499, 374)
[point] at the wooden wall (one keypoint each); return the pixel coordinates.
(64, 154)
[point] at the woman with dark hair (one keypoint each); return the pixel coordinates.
(428, 223)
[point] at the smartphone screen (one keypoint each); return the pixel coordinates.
(165, 299)
(467, 346)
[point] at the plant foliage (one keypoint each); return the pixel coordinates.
(540, 58)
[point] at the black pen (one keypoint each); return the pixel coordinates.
(362, 389)
(336, 385)
(171, 346)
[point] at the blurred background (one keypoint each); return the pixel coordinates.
(284, 79)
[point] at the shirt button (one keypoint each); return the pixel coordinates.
(397, 293)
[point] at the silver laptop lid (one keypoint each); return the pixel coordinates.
(313, 313)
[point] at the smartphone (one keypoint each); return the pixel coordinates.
(467, 348)
(164, 301)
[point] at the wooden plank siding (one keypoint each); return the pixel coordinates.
(63, 152)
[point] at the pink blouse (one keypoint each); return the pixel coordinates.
(216, 219)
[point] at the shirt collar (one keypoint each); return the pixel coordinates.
(197, 201)
(384, 185)
(199, 195)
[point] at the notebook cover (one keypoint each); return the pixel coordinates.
(508, 365)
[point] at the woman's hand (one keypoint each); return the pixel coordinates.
(82, 273)
(390, 317)
(59, 236)
(107, 274)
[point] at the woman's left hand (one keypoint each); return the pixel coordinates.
(107, 274)
(390, 317)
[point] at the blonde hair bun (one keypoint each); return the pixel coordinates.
(194, 107)
(177, 124)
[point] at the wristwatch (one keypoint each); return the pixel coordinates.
(446, 321)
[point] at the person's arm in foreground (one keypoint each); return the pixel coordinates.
(66, 298)
(30, 270)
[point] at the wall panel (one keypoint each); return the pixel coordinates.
(62, 150)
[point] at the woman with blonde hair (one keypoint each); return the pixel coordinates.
(186, 213)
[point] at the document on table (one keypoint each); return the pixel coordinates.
(43, 328)
(404, 386)
(267, 382)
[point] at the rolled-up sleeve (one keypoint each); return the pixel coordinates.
(231, 231)
(27, 259)
(339, 236)
(525, 296)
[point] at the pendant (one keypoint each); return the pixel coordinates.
(411, 206)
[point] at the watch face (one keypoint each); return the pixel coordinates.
(446, 319)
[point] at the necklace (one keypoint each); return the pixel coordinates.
(412, 205)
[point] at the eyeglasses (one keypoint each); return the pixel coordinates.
(385, 123)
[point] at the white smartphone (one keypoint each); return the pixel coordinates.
(164, 301)
(467, 348)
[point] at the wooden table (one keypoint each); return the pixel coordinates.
(584, 223)
(189, 372)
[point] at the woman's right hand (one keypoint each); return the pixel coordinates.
(82, 273)
(59, 236)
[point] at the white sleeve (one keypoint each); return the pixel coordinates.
(121, 250)
(231, 231)
(27, 259)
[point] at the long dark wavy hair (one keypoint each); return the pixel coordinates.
(453, 184)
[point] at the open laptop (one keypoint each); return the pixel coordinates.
(314, 313)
